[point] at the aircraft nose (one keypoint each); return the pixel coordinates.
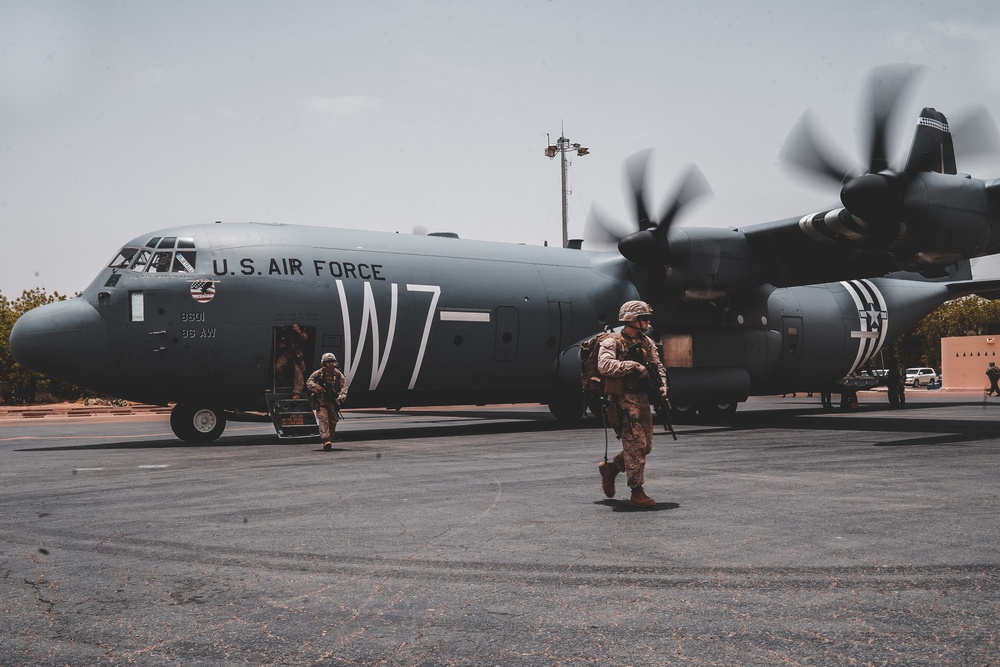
(65, 340)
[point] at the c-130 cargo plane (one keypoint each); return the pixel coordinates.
(224, 319)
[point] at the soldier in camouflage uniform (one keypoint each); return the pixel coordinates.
(626, 385)
(291, 354)
(329, 390)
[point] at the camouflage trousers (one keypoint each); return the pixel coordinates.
(327, 418)
(637, 436)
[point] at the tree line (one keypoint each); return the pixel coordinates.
(19, 385)
(966, 316)
(969, 315)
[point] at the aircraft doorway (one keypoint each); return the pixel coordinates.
(292, 349)
(288, 403)
(791, 348)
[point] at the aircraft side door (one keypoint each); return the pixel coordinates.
(791, 347)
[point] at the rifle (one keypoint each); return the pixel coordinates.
(316, 398)
(653, 386)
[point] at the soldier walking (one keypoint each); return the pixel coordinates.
(993, 373)
(329, 391)
(627, 389)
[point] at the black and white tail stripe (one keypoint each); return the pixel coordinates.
(873, 320)
(934, 123)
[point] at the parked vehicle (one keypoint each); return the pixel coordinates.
(916, 377)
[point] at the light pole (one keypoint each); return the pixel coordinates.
(561, 146)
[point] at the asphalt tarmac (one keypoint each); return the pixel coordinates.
(481, 537)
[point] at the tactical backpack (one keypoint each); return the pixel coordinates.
(595, 384)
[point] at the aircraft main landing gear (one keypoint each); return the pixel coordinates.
(197, 423)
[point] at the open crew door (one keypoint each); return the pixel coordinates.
(288, 399)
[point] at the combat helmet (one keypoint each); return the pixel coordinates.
(328, 356)
(633, 310)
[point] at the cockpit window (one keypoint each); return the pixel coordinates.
(141, 260)
(183, 262)
(159, 256)
(124, 258)
(161, 262)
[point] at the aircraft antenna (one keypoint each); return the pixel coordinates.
(561, 146)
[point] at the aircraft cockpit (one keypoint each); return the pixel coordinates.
(167, 254)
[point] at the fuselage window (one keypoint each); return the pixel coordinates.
(136, 305)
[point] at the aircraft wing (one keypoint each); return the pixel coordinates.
(788, 256)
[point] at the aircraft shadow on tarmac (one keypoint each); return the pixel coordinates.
(458, 425)
(929, 428)
(920, 420)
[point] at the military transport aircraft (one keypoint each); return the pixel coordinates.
(225, 319)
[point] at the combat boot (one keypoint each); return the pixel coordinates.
(640, 499)
(609, 470)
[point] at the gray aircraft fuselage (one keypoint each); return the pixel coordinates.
(430, 320)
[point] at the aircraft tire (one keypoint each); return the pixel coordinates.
(568, 408)
(718, 412)
(682, 413)
(197, 423)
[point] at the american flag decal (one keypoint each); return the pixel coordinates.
(203, 291)
(873, 320)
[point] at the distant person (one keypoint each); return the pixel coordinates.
(329, 391)
(895, 383)
(826, 398)
(625, 360)
(993, 373)
(901, 382)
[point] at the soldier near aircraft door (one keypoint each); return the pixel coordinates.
(329, 391)
(290, 357)
(627, 389)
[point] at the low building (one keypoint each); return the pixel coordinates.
(964, 360)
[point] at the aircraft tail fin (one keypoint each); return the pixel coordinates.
(932, 148)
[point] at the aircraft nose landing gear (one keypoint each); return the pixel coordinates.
(197, 423)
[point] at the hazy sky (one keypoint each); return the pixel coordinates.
(119, 118)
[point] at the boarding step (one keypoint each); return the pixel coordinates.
(292, 417)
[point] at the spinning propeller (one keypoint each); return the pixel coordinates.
(875, 197)
(645, 243)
